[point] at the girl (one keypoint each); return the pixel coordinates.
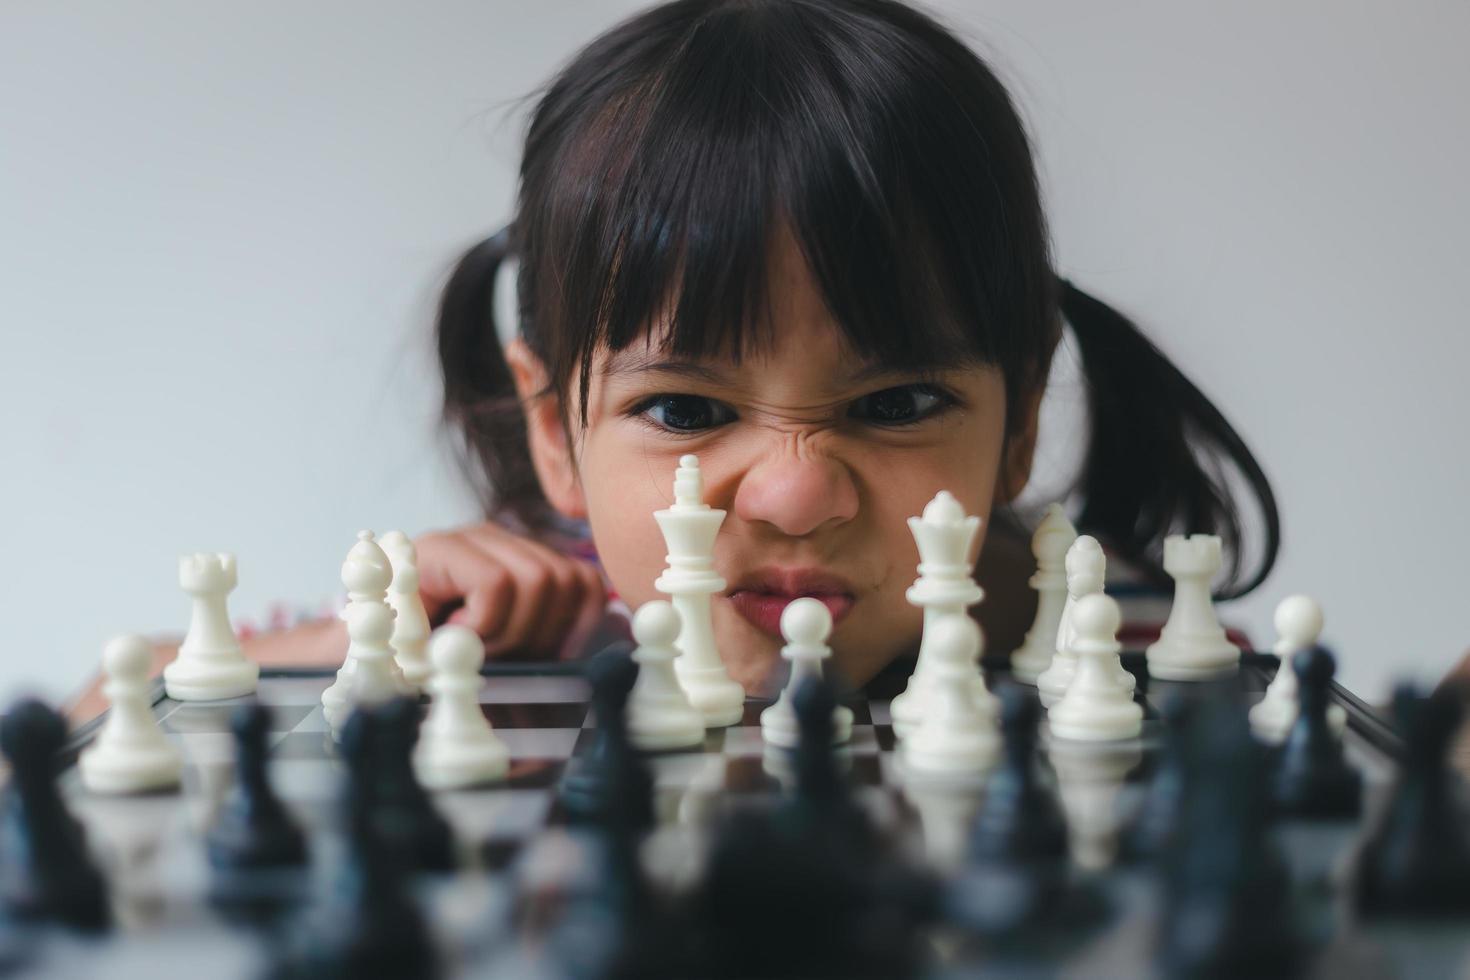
(803, 240)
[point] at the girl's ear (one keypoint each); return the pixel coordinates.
(1020, 450)
(551, 455)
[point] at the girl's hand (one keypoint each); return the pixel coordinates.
(517, 593)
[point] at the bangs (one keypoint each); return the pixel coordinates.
(766, 117)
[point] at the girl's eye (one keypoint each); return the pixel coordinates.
(683, 413)
(905, 405)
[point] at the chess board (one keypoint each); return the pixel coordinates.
(515, 833)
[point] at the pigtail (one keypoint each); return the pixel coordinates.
(481, 410)
(1159, 451)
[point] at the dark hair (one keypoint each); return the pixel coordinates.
(664, 156)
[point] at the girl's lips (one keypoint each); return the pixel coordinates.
(764, 608)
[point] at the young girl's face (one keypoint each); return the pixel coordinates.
(818, 458)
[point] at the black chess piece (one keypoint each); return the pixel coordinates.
(403, 814)
(1313, 778)
(1226, 893)
(253, 830)
(1020, 821)
(814, 882)
(1416, 858)
(1158, 817)
(610, 784)
(46, 872)
(369, 926)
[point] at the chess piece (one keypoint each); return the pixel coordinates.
(1095, 708)
(689, 528)
(210, 665)
(1086, 567)
(945, 587)
(1226, 895)
(457, 747)
(1192, 645)
(410, 622)
(660, 716)
(1054, 536)
(131, 754)
(46, 872)
(956, 737)
(405, 816)
(369, 674)
(1019, 820)
(805, 625)
(253, 829)
(610, 784)
(1298, 622)
(1313, 778)
(1416, 858)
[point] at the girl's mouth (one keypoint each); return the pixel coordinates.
(764, 609)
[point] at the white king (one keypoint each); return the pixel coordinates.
(945, 586)
(689, 528)
(210, 665)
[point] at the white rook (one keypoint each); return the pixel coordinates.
(1192, 645)
(210, 665)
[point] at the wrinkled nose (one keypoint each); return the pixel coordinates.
(797, 493)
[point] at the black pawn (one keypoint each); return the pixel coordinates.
(1313, 779)
(369, 926)
(1020, 822)
(403, 815)
(1416, 860)
(1159, 816)
(253, 831)
(1226, 892)
(46, 873)
(822, 792)
(610, 785)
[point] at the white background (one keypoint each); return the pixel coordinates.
(222, 229)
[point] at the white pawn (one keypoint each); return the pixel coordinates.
(131, 753)
(411, 625)
(1054, 536)
(1298, 623)
(1095, 708)
(1086, 571)
(956, 736)
(210, 665)
(1192, 645)
(369, 674)
(660, 716)
(457, 747)
(805, 625)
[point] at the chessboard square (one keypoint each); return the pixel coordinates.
(314, 722)
(743, 741)
(535, 715)
(279, 692)
(201, 748)
(539, 743)
(494, 812)
(304, 745)
(211, 717)
(307, 780)
(535, 690)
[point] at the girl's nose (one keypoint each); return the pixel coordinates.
(797, 493)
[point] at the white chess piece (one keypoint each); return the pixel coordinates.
(1192, 645)
(957, 737)
(131, 754)
(1054, 535)
(1298, 622)
(411, 624)
(1086, 570)
(805, 625)
(1095, 708)
(210, 665)
(457, 747)
(369, 674)
(945, 587)
(660, 716)
(689, 528)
